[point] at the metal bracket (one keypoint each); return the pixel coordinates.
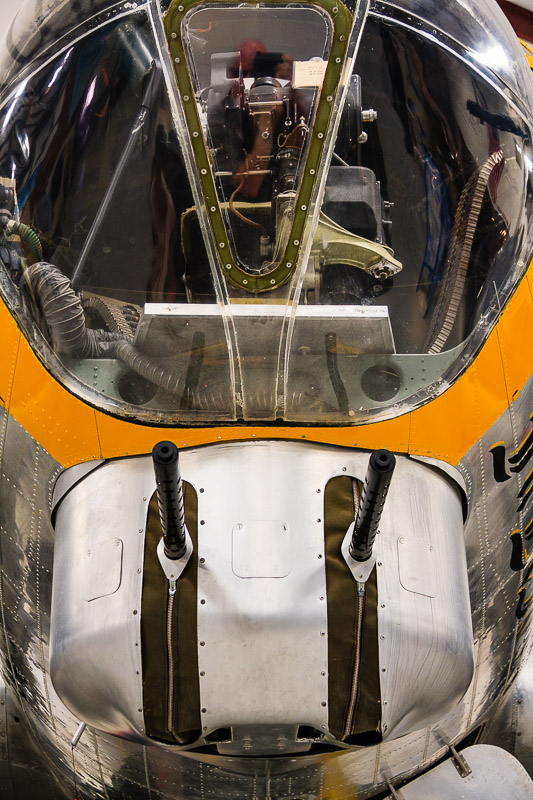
(394, 793)
(459, 762)
(79, 733)
(174, 567)
(360, 569)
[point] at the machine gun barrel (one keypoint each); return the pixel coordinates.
(377, 482)
(170, 498)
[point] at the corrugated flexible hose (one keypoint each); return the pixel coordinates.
(63, 313)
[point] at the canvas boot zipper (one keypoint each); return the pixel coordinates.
(170, 614)
(358, 631)
(357, 659)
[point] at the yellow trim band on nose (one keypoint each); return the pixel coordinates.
(446, 427)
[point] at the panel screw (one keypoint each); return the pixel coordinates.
(135, 611)
(323, 704)
(202, 674)
(204, 710)
(202, 602)
(202, 561)
(202, 644)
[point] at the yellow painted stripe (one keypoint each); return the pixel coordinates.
(10, 338)
(64, 425)
(445, 428)
(528, 52)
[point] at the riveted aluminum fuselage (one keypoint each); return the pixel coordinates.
(106, 763)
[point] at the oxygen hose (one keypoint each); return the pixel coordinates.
(63, 313)
(28, 238)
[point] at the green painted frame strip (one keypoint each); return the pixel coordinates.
(342, 21)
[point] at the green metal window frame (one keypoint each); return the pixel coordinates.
(342, 21)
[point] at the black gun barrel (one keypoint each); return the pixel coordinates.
(170, 498)
(377, 482)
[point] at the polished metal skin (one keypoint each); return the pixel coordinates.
(26, 490)
(261, 559)
(492, 774)
(422, 576)
(6, 785)
(512, 725)
(95, 659)
(263, 624)
(454, 581)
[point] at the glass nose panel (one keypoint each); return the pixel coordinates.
(257, 75)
